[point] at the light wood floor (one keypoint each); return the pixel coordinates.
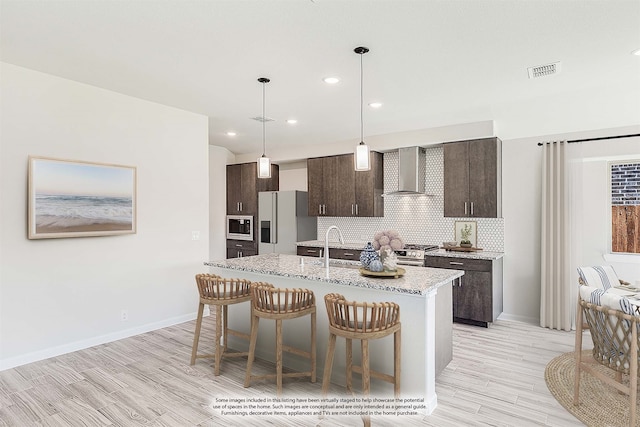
(496, 378)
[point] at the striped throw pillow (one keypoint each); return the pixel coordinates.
(599, 276)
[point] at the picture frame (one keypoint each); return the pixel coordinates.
(460, 228)
(71, 198)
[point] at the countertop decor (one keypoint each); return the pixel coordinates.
(399, 272)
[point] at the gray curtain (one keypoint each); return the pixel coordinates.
(557, 285)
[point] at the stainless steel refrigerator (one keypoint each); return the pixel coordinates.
(283, 220)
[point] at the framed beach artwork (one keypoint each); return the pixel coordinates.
(79, 199)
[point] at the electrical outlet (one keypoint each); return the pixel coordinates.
(195, 235)
(124, 315)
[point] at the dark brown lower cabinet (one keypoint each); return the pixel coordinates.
(309, 251)
(477, 296)
(240, 248)
(313, 251)
(350, 254)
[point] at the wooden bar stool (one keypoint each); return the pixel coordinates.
(220, 293)
(364, 322)
(281, 304)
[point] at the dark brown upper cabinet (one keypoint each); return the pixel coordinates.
(472, 178)
(336, 189)
(243, 186)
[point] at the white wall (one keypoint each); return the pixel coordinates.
(219, 157)
(521, 195)
(59, 295)
(293, 176)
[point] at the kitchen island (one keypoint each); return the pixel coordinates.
(423, 294)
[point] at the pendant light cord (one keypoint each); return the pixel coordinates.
(361, 104)
(263, 127)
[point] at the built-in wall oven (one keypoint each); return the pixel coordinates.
(240, 227)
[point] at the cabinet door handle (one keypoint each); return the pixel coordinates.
(351, 208)
(456, 263)
(312, 251)
(465, 208)
(241, 206)
(348, 254)
(324, 209)
(356, 209)
(471, 208)
(238, 246)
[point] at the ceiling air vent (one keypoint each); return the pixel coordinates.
(262, 119)
(544, 70)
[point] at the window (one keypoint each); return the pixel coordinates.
(625, 207)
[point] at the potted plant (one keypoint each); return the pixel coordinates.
(465, 233)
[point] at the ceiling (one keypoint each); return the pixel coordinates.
(431, 63)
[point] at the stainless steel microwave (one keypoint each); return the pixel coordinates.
(240, 227)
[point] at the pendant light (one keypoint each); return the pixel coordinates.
(361, 155)
(264, 164)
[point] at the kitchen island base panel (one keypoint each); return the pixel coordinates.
(417, 312)
(291, 304)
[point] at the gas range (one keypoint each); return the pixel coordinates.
(414, 254)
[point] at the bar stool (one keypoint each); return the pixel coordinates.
(364, 322)
(281, 304)
(220, 292)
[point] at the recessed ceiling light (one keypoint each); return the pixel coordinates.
(375, 104)
(292, 121)
(331, 80)
(636, 52)
(231, 133)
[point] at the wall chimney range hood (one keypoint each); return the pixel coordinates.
(412, 171)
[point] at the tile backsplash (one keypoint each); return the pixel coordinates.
(417, 219)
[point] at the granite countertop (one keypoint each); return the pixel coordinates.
(356, 246)
(440, 252)
(416, 281)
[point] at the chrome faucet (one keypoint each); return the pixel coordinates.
(326, 244)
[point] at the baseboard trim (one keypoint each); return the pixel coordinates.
(83, 344)
(516, 318)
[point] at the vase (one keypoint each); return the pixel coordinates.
(368, 254)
